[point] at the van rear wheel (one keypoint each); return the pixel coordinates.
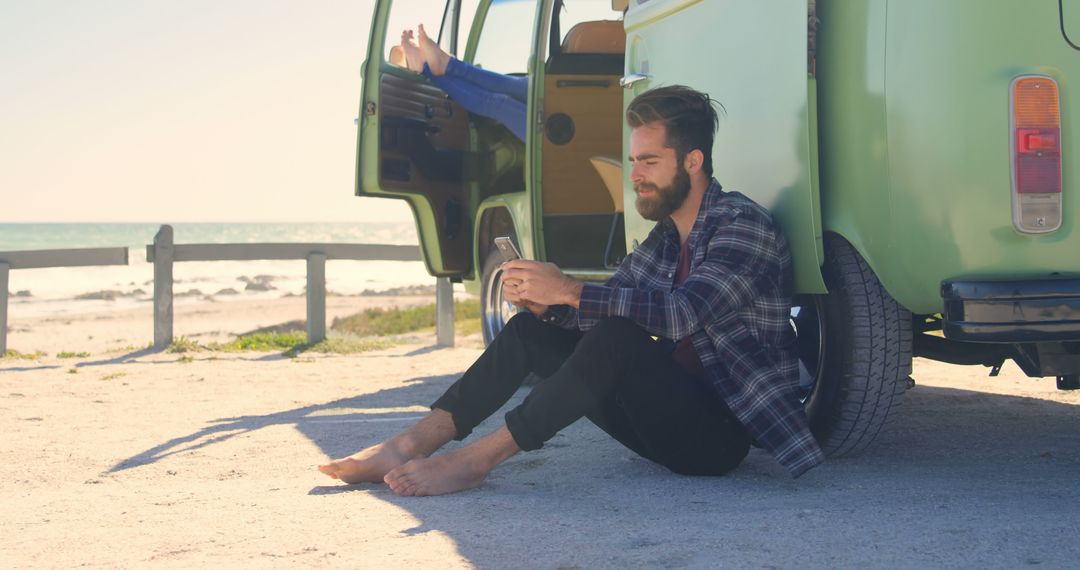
(854, 351)
(495, 310)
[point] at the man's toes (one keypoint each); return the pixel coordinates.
(330, 468)
(393, 479)
(406, 488)
(400, 479)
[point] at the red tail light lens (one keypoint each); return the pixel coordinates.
(1036, 154)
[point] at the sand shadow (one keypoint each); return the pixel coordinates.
(336, 434)
(31, 368)
(126, 358)
(583, 500)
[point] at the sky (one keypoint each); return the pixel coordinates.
(182, 111)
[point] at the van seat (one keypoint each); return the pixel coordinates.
(599, 36)
(610, 171)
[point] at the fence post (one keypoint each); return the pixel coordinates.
(316, 297)
(444, 312)
(163, 287)
(4, 269)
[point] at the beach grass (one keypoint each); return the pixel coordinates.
(289, 343)
(69, 354)
(371, 329)
(386, 322)
(184, 344)
(341, 345)
(264, 342)
(16, 355)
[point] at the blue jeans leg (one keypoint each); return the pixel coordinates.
(476, 99)
(512, 85)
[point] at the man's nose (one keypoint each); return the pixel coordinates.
(635, 173)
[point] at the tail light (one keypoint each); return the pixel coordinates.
(1036, 154)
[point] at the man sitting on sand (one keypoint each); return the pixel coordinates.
(685, 355)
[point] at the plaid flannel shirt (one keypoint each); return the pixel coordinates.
(735, 306)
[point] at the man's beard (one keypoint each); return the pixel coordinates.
(666, 200)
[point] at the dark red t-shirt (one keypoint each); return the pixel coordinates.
(685, 353)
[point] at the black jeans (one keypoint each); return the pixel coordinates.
(617, 376)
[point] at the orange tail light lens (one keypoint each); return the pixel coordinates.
(1036, 154)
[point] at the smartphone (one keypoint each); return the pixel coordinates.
(507, 248)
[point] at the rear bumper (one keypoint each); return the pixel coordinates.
(1012, 311)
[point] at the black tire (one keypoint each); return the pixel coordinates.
(495, 311)
(860, 364)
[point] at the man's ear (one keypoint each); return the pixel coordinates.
(693, 161)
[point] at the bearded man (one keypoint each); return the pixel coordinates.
(685, 356)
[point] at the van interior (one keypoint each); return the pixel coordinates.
(581, 176)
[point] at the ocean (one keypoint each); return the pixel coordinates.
(60, 290)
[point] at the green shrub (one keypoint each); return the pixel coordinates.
(184, 344)
(383, 322)
(341, 345)
(16, 355)
(264, 342)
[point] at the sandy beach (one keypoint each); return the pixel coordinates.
(130, 458)
(115, 332)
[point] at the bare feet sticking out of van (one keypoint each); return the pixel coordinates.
(414, 60)
(436, 58)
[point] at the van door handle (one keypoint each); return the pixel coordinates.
(629, 80)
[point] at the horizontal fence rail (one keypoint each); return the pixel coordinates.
(42, 258)
(286, 251)
(163, 253)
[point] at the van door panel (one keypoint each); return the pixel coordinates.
(590, 103)
(412, 145)
(421, 152)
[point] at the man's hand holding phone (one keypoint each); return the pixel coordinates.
(510, 252)
(540, 284)
(534, 285)
(510, 292)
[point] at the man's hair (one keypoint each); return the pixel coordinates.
(688, 116)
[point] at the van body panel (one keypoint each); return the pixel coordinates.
(1070, 22)
(921, 183)
(763, 147)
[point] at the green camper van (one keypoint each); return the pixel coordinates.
(913, 151)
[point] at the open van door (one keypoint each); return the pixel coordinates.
(412, 138)
(752, 57)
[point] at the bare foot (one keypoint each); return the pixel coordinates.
(462, 469)
(441, 475)
(434, 56)
(414, 60)
(369, 465)
(373, 463)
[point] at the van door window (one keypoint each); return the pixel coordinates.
(407, 14)
(466, 14)
(574, 12)
(506, 38)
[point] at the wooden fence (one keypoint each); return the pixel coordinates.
(50, 258)
(163, 253)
